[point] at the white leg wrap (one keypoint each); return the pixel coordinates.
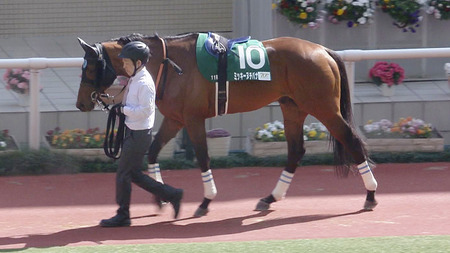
(366, 173)
(154, 172)
(208, 185)
(283, 185)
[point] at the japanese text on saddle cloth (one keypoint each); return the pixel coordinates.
(221, 60)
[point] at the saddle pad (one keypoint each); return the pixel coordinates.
(247, 61)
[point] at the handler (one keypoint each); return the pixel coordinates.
(138, 106)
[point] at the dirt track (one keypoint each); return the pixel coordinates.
(58, 210)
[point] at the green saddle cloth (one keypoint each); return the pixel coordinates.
(248, 62)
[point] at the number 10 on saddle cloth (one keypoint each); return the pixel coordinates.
(246, 61)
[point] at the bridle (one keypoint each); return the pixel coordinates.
(103, 69)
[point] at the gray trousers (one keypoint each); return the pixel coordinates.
(135, 145)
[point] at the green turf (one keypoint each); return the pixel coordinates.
(408, 244)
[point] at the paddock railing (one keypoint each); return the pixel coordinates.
(350, 57)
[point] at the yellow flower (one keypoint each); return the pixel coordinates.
(340, 12)
(312, 133)
(303, 15)
(274, 6)
(387, 1)
(86, 139)
(322, 135)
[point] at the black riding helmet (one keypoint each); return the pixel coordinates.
(136, 50)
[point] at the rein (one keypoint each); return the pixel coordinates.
(113, 142)
(162, 72)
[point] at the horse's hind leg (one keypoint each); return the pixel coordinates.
(346, 135)
(293, 127)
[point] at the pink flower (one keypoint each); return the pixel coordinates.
(17, 80)
(26, 75)
(13, 81)
(22, 85)
(389, 73)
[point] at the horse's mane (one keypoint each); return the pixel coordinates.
(140, 37)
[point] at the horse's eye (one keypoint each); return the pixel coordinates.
(84, 64)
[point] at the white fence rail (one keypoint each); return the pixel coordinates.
(35, 65)
(349, 56)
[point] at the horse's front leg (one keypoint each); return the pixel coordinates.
(197, 134)
(168, 129)
(293, 127)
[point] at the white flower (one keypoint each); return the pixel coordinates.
(2, 144)
(362, 20)
(278, 124)
(264, 132)
(371, 127)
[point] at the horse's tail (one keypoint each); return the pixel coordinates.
(343, 159)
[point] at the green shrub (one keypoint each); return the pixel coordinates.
(44, 161)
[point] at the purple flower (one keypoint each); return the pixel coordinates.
(217, 133)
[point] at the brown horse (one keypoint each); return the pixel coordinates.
(307, 78)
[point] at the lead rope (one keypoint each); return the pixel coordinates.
(114, 141)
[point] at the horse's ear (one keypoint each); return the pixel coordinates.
(86, 47)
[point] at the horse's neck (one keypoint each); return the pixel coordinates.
(113, 49)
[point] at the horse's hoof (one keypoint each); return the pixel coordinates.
(370, 205)
(262, 206)
(201, 212)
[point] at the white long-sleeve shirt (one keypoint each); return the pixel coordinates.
(139, 108)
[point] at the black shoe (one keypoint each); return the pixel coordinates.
(116, 221)
(176, 202)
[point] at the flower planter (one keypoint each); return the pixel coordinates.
(434, 144)
(218, 147)
(85, 153)
(99, 153)
(387, 91)
(261, 149)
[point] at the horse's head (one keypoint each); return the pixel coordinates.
(97, 75)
